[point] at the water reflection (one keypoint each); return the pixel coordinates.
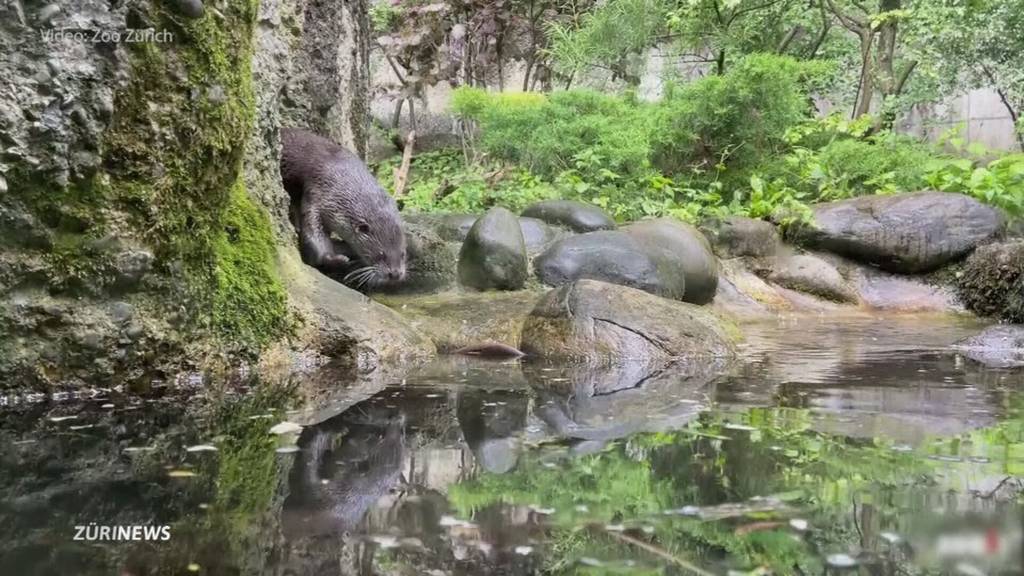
(869, 447)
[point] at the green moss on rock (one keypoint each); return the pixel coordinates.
(250, 304)
(992, 281)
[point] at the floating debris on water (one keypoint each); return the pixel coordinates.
(544, 511)
(450, 521)
(841, 560)
(139, 449)
(614, 527)
(384, 541)
(799, 524)
(62, 418)
(890, 537)
(588, 561)
(193, 567)
(287, 449)
(201, 448)
(81, 427)
(181, 474)
(732, 426)
(524, 550)
(107, 406)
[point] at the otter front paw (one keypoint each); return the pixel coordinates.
(334, 261)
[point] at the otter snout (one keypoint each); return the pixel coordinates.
(394, 275)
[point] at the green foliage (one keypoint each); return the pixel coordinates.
(1000, 182)
(733, 120)
(442, 182)
(545, 132)
(723, 465)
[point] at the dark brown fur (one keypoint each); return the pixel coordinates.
(333, 192)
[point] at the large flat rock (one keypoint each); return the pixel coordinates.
(907, 233)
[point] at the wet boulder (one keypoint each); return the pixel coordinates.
(905, 233)
(686, 266)
(493, 256)
(998, 346)
(609, 256)
(538, 234)
(810, 274)
(736, 236)
(577, 216)
(596, 321)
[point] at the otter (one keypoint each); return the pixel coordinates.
(333, 193)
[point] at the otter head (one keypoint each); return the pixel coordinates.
(373, 231)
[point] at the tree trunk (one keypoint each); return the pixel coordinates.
(866, 89)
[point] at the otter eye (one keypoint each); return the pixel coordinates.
(363, 228)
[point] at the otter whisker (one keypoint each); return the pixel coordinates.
(357, 272)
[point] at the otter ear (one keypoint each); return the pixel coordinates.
(363, 228)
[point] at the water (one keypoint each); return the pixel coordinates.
(861, 445)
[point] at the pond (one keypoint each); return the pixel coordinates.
(836, 446)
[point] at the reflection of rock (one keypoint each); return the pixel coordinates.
(603, 402)
(997, 346)
(906, 233)
(491, 423)
(597, 321)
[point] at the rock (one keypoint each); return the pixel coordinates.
(992, 282)
(577, 216)
(459, 320)
(130, 267)
(493, 256)
(192, 9)
(46, 13)
(121, 312)
(597, 321)
(537, 234)
(880, 290)
(906, 233)
(998, 346)
(682, 255)
(735, 236)
(345, 326)
(451, 226)
(810, 274)
(610, 256)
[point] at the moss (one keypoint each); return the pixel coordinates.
(175, 151)
(992, 281)
(249, 303)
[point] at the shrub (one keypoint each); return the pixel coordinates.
(1000, 182)
(545, 133)
(733, 120)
